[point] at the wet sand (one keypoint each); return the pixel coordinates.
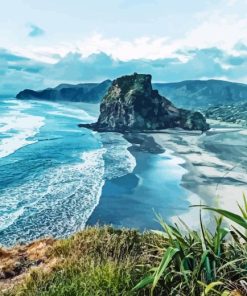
(213, 171)
(152, 188)
(216, 162)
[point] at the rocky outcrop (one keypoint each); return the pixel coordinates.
(84, 92)
(131, 104)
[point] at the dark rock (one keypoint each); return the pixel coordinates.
(132, 105)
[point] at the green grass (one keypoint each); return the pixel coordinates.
(96, 261)
(175, 261)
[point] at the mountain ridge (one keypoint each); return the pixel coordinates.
(82, 92)
(202, 93)
(186, 94)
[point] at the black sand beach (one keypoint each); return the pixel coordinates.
(134, 199)
(213, 172)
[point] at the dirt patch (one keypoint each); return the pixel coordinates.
(17, 262)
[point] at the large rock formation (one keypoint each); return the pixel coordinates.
(132, 105)
(83, 92)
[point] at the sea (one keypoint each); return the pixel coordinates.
(54, 174)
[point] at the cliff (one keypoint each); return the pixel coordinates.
(131, 104)
(84, 92)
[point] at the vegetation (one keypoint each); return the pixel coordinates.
(175, 261)
(96, 261)
(196, 262)
(235, 113)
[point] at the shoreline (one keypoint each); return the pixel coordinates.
(209, 175)
(210, 172)
(215, 164)
(133, 200)
(150, 143)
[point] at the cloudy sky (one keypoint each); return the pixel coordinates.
(43, 43)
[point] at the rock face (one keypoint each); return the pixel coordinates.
(84, 92)
(132, 105)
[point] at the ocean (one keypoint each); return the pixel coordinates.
(55, 178)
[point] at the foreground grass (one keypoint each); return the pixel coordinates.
(96, 261)
(177, 261)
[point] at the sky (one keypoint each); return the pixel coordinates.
(44, 43)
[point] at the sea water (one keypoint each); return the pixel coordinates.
(51, 171)
(53, 174)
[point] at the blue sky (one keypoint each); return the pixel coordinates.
(43, 43)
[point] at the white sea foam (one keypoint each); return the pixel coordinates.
(243, 132)
(59, 200)
(16, 128)
(18, 105)
(78, 114)
(8, 217)
(62, 198)
(73, 112)
(118, 160)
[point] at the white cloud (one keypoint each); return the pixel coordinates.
(140, 48)
(215, 46)
(231, 2)
(218, 28)
(128, 29)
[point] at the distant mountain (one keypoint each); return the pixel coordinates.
(131, 104)
(235, 113)
(200, 93)
(83, 92)
(190, 94)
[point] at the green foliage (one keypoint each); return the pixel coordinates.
(239, 220)
(199, 262)
(99, 261)
(81, 278)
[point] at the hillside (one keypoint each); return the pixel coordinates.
(235, 113)
(186, 94)
(200, 93)
(84, 92)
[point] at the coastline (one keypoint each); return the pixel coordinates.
(210, 170)
(121, 198)
(211, 175)
(133, 200)
(201, 167)
(215, 162)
